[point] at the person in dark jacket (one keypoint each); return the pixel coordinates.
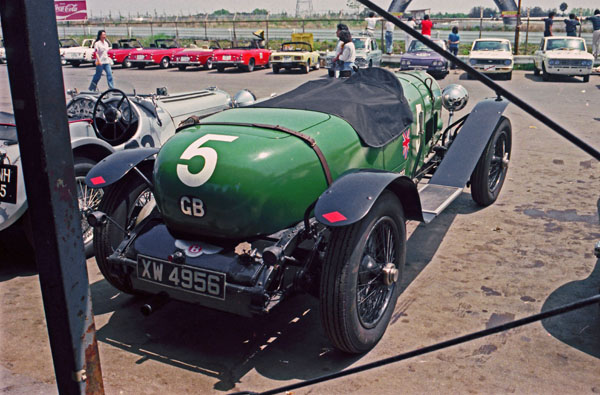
(548, 24)
(571, 25)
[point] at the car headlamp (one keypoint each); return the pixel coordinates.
(473, 61)
(405, 62)
(507, 62)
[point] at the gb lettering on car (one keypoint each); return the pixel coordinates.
(190, 205)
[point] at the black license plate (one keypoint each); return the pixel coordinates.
(8, 184)
(187, 278)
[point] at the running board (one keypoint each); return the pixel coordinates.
(435, 198)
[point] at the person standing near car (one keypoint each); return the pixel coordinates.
(596, 38)
(453, 41)
(371, 23)
(103, 62)
(408, 38)
(426, 26)
(548, 22)
(345, 60)
(338, 48)
(571, 25)
(389, 37)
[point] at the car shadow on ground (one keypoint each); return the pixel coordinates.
(553, 79)
(287, 344)
(578, 328)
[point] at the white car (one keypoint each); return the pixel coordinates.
(82, 54)
(492, 56)
(63, 44)
(563, 56)
(100, 124)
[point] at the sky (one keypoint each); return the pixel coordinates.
(186, 7)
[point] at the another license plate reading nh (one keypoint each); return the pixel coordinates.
(287, 58)
(187, 278)
(140, 57)
(226, 57)
(185, 59)
(8, 184)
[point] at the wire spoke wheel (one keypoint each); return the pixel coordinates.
(491, 169)
(360, 275)
(127, 202)
(373, 295)
(89, 200)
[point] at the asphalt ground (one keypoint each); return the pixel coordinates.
(470, 269)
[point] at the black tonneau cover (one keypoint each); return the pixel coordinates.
(372, 101)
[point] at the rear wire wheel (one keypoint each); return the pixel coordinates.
(88, 200)
(361, 274)
(123, 202)
(489, 174)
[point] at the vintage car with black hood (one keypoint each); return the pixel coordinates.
(299, 193)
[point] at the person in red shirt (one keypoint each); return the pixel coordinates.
(426, 26)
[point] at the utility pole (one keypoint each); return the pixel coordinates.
(480, 20)
(518, 28)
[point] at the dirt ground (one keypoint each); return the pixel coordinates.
(470, 269)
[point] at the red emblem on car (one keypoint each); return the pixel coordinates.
(406, 143)
(334, 216)
(97, 180)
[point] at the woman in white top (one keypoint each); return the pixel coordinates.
(345, 60)
(103, 62)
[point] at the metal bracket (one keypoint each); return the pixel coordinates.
(79, 376)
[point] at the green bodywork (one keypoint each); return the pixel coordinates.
(263, 180)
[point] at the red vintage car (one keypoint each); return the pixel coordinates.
(160, 53)
(121, 51)
(199, 55)
(243, 55)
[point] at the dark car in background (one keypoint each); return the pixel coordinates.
(421, 57)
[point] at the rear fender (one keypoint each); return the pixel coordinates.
(115, 166)
(352, 195)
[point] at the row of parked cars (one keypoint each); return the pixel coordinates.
(555, 56)
(299, 53)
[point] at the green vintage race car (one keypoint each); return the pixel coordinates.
(303, 192)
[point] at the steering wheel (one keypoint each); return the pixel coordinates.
(109, 121)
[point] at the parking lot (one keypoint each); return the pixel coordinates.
(470, 269)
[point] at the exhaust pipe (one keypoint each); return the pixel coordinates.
(154, 304)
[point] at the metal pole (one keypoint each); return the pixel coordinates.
(36, 80)
(267, 28)
(205, 27)
(302, 25)
(480, 21)
(234, 35)
(527, 33)
(151, 29)
(382, 36)
(176, 30)
(518, 28)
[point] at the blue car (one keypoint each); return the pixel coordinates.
(421, 57)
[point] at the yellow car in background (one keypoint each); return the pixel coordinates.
(296, 54)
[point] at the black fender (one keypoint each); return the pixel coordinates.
(468, 146)
(352, 195)
(115, 166)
